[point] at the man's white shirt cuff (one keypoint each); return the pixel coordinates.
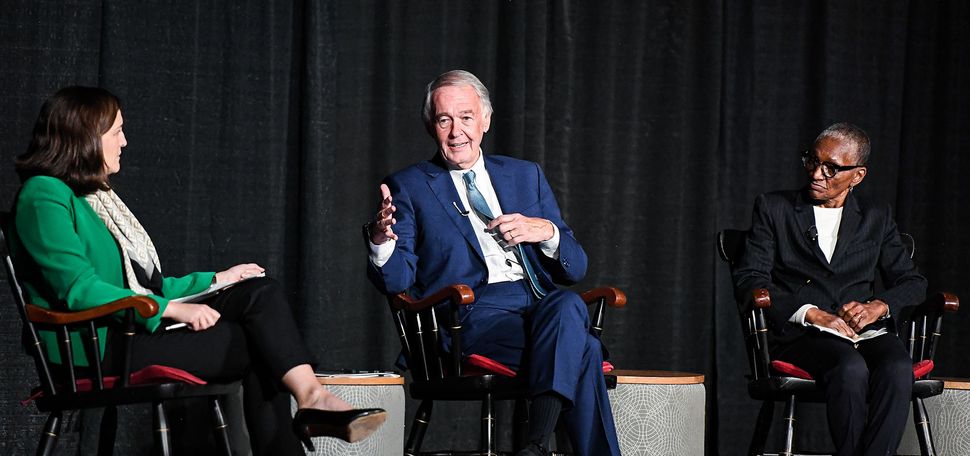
(379, 254)
(550, 247)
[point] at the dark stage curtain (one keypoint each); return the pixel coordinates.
(259, 131)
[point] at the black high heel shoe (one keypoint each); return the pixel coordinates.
(350, 425)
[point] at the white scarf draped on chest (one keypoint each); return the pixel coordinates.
(134, 241)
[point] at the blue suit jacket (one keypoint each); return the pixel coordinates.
(436, 244)
(782, 256)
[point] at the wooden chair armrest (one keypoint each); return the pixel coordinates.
(613, 296)
(458, 294)
(760, 298)
(942, 302)
(145, 306)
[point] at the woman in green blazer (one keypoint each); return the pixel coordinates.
(79, 246)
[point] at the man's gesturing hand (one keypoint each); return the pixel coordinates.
(517, 228)
(380, 227)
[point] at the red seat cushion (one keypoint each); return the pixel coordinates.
(148, 375)
(482, 365)
(790, 370)
(920, 369)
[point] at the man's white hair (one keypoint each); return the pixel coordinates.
(455, 78)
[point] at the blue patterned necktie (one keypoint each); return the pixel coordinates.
(478, 203)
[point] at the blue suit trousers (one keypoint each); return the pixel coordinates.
(549, 341)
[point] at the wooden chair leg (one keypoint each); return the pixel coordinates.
(109, 427)
(763, 424)
(163, 438)
(420, 424)
(922, 421)
(219, 426)
(790, 426)
(487, 444)
(48, 438)
(520, 419)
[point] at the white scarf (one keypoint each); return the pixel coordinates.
(131, 236)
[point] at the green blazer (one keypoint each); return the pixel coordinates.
(69, 259)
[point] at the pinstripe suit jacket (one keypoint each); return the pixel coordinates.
(782, 256)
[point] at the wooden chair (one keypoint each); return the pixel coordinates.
(771, 381)
(69, 387)
(438, 376)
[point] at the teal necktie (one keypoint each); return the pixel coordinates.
(478, 203)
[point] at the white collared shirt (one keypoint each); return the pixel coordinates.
(827, 222)
(503, 265)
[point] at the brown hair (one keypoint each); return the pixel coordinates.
(66, 142)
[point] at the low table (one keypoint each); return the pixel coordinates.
(949, 421)
(368, 392)
(659, 412)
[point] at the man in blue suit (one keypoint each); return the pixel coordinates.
(492, 222)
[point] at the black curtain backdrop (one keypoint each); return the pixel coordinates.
(259, 131)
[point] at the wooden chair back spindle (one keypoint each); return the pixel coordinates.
(402, 335)
(418, 336)
(454, 330)
(436, 363)
(93, 348)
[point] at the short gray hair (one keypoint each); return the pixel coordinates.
(844, 131)
(455, 78)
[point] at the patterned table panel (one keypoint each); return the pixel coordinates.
(388, 441)
(949, 423)
(655, 420)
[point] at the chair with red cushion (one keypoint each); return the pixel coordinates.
(773, 380)
(440, 376)
(65, 386)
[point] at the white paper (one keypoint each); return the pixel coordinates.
(859, 337)
(369, 374)
(213, 289)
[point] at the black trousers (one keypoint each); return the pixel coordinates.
(256, 339)
(867, 388)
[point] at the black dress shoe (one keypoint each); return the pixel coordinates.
(349, 425)
(534, 449)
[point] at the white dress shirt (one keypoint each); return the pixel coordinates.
(827, 222)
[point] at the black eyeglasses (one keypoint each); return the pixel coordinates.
(829, 169)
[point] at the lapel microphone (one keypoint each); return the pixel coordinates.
(812, 233)
(463, 213)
